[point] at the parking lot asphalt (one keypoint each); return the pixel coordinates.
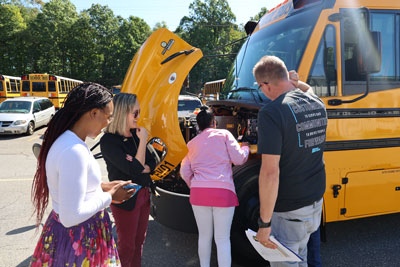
(364, 242)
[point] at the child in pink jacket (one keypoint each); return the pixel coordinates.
(207, 170)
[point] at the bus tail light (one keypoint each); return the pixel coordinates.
(52, 78)
(1, 78)
(25, 77)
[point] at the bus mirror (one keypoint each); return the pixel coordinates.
(369, 53)
(250, 26)
(158, 149)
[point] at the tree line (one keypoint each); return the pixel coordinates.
(96, 45)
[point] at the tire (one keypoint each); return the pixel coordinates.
(31, 128)
(246, 214)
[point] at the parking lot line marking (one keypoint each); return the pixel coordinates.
(32, 138)
(16, 180)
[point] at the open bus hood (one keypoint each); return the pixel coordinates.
(156, 75)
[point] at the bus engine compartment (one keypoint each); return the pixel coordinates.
(240, 118)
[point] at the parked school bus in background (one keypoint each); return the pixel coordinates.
(54, 87)
(349, 52)
(10, 87)
(116, 89)
(212, 90)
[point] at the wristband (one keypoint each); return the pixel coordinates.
(262, 224)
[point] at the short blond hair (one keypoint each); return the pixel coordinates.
(270, 69)
(123, 104)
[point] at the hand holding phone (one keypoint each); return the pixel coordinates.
(133, 186)
(128, 187)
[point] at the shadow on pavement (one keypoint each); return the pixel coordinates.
(11, 136)
(21, 230)
(25, 263)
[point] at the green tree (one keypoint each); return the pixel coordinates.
(50, 37)
(12, 24)
(210, 26)
(85, 58)
(132, 33)
(105, 37)
(258, 16)
(159, 25)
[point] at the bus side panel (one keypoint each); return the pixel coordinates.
(370, 188)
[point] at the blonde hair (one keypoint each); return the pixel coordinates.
(270, 69)
(123, 104)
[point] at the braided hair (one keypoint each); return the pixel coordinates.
(204, 118)
(81, 99)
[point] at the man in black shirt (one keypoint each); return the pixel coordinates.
(291, 137)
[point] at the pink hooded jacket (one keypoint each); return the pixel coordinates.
(208, 163)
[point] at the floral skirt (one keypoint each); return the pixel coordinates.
(87, 244)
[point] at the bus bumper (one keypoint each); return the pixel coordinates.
(173, 210)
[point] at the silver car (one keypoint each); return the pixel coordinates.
(24, 114)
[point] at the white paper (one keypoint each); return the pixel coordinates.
(282, 253)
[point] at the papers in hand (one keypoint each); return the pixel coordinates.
(282, 253)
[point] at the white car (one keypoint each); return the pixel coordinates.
(187, 105)
(24, 114)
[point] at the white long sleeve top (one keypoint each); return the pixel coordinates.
(74, 180)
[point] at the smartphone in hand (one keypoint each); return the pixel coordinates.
(133, 186)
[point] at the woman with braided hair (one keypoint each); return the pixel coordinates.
(78, 229)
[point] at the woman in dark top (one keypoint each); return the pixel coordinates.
(124, 150)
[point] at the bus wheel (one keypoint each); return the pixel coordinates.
(246, 214)
(31, 128)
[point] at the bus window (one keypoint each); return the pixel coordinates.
(52, 86)
(385, 24)
(353, 25)
(18, 85)
(14, 85)
(8, 86)
(62, 86)
(1, 86)
(26, 86)
(38, 87)
(322, 77)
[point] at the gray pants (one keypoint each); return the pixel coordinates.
(293, 229)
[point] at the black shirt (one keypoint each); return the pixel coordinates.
(115, 149)
(294, 127)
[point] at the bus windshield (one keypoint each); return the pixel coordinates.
(285, 39)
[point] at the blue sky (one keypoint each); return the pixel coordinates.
(171, 11)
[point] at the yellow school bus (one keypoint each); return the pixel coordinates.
(212, 90)
(54, 87)
(116, 89)
(10, 87)
(348, 51)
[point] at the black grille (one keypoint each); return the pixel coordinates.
(5, 123)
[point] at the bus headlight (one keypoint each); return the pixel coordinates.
(19, 122)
